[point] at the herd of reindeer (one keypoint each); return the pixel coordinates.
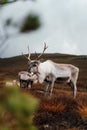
(48, 72)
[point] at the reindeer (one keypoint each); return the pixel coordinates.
(52, 72)
(26, 79)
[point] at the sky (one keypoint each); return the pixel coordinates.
(64, 27)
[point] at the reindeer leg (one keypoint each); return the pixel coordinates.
(46, 88)
(74, 91)
(73, 86)
(29, 85)
(51, 87)
(21, 84)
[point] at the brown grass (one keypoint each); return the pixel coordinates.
(53, 107)
(61, 111)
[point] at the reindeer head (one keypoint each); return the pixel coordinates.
(33, 64)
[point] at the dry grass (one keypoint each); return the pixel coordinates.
(53, 107)
(61, 111)
(83, 112)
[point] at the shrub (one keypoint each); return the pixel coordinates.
(8, 21)
(31, 22)
(3, 1)
(16, 110)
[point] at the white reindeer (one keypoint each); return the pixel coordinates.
(28, 78)
(50, 71)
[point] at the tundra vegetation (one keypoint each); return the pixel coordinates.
(61, 111)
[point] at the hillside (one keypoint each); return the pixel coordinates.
(61, 111)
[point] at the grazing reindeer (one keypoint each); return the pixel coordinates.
(52, 72)
(27, 78)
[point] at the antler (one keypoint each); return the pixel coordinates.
(24, 55)
(38, 56)
(45, 47)
(29, 54)
(28, 58)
